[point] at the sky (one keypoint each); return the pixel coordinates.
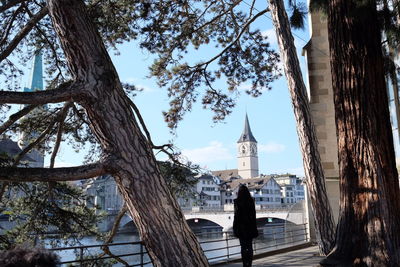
(213, 145)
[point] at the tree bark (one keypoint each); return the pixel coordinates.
(314, 173)
(368, 232)
(157, 215)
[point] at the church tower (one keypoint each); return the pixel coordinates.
(36, 84)
(247, 153)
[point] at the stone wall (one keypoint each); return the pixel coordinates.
(321, 101)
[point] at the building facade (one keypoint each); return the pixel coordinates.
(292, 188)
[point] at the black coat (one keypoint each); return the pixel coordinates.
(244, 222)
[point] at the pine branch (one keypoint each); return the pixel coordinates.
(62, 116)
(37, 141)
(10, 23)
(244, 29)
(110, 238)
(20, 174)
(16, 116)
(64, 92)
(24, 32)
(9, 4)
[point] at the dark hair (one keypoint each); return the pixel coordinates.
(27, 257)
(244, 194)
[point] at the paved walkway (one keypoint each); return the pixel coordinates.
(306, 257)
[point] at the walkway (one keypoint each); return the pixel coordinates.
(306, 257)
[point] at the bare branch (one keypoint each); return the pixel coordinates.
(137, 112)
(62, 116)
(16, 116)
(113, 231)
(20, 174)
(9, 4)
(38, 140)
(162, 148)
(24, 31)
(65, 92)
(6, 33)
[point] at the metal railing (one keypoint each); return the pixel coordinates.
(221, 247)
(228, 208)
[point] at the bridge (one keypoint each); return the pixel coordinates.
(223, 217)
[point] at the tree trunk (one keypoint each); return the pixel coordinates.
(305, 129)
(368, 232)
(158, 217)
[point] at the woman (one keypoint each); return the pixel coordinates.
(244, 224)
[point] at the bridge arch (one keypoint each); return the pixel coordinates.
(199, 225)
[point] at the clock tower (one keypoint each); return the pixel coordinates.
(247, 153)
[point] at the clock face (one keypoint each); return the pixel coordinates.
(253, 149)
(243, 149)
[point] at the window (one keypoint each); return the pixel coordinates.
(244, 164)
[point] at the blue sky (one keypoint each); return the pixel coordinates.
(213, 146)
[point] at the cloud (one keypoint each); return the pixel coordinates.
(145, 88)
(215, 151)
(271, 35)
(60, 164)
(139, 85)
(271, 147)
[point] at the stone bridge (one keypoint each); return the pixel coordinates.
(224, 218)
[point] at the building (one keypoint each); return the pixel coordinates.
(103, 193)
(265, 190)
(292, 188)
(208, 191)
(247, 153)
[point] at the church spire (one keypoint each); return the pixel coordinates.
(247, 135)
(36, 79)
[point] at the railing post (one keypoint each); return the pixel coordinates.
(141, 254)
(227, 245)
(81, 256)
(254, 245)
(274, 238)
(291, 235)
(305, 232)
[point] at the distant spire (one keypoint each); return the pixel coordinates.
(247, 135)
(36, 79)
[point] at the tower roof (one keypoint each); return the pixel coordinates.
(247, 135)
(36, 79)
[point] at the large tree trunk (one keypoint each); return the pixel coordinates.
(368, 232)
(158, 217)
(305, 129)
